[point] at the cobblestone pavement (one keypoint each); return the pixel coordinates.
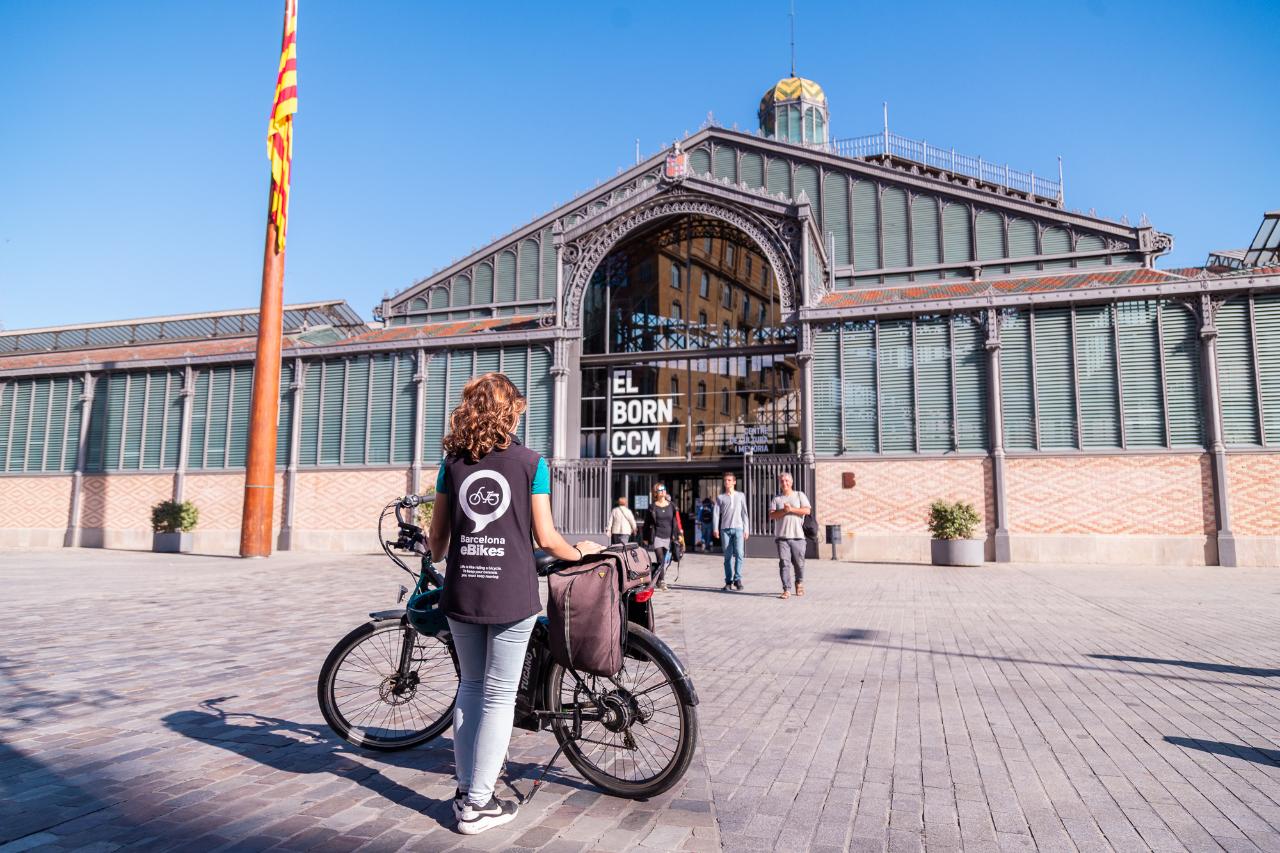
(158, 701)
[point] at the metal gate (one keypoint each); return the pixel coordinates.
(580, 495)
(760, 484)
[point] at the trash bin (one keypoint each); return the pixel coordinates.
(835, 538)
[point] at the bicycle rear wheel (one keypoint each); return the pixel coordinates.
(648, 730)
(366, 701)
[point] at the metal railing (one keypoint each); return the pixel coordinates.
(947, 159)
(580, 499)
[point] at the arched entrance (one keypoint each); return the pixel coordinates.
(689, 358)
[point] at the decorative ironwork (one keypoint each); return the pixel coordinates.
(767, 232)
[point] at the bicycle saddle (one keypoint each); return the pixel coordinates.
(546, 564)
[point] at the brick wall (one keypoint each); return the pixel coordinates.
(1255, 493)
(1160, 494)
(885, 515)
(34, 511)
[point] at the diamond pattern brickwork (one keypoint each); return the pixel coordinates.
(347, 500)
(893, 495)
(34, 503)
(122, 501)
(1254, 479)
(1159, 494)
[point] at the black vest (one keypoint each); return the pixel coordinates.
(490, 577)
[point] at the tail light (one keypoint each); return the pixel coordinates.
(644, 595)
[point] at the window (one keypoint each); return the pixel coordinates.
(702, 395)
(726, 295)
(748, 266)
(728, 254)
(704, 289)
(724, 401)
(762, 315)
(675, 275)
(702, 319)
(746, 307)
(724, 333)
(673, 436)
(677, 312)
(675, 386)
(707, 248)
(700, 440)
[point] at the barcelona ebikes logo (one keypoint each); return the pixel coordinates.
(486, 497)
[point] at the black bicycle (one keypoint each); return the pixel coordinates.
(387, 686)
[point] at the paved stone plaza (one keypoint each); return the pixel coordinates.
(153, 701)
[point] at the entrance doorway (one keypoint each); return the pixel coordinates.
(688, 486)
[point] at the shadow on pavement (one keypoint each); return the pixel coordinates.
(836, 637)
(1258, 755)
(854, 635)
(720, 590)
(299, 748)
(1193, 664)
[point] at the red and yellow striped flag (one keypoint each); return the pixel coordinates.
(280, 126)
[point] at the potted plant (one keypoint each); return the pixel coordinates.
(952, 526)
(172, 523)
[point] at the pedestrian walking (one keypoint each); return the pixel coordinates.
(622, 523)
(706, 516)
(661, 527)
(491, 585)
(731, 525)
(788, 510)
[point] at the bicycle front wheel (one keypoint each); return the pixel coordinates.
(368, 702)
(644, 731)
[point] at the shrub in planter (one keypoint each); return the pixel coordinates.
(952, 526)
(172, 523)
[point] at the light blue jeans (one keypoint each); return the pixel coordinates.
(490, 658)
(732, 543)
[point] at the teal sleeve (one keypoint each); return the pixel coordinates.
(541, 478)
(440, 480)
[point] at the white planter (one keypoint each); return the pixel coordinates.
(171, 543)
(957, 552)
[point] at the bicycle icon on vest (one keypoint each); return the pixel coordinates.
(485, 496)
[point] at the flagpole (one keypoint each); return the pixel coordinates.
(260, 462)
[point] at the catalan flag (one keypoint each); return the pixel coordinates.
(280, 126)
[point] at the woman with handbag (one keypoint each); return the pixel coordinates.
(663, 532)
(493, 499)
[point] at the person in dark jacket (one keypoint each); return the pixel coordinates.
(661, 528)
(491, 494)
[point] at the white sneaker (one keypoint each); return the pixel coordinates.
(476, 819)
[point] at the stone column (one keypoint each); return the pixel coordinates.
(71, 538)
(1213, 430)
(291, 467)
(996, 409)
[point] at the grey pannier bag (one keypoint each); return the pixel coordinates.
(586, 616)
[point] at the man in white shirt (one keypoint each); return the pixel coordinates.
(731, 524)
(622, 524)
(788, 510)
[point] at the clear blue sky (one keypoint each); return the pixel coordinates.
(133, 172)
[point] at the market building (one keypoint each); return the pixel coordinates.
(891, 321)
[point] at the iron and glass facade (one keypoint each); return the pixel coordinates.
(805, 301)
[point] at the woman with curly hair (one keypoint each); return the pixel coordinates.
(493, 499)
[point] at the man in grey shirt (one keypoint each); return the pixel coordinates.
(788, 510)
(730, 524)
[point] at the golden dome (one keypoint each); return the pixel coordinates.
(791, 88)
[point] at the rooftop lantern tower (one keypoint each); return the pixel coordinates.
(795, 110)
